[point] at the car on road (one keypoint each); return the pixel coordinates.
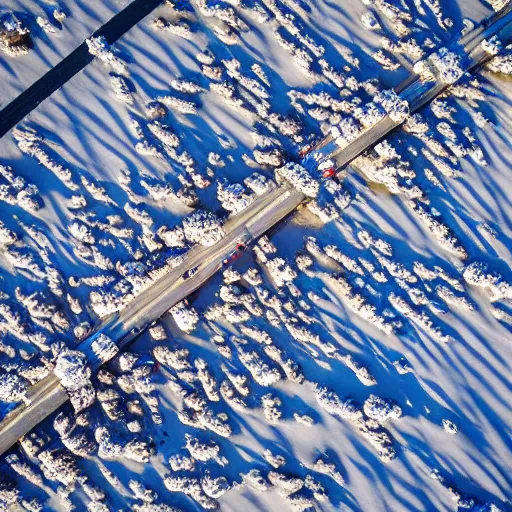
(306, 149)
(235, 254)
(325, 167)
(190, 272)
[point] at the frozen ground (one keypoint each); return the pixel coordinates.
(256, 372)
(52, 38)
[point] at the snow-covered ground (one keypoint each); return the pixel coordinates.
(56, 29)
(359, 364)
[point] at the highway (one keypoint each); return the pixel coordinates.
(48, 394)
(418, 92)
(265, 212)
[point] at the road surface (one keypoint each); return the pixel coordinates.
(47, 395)
(419, 93)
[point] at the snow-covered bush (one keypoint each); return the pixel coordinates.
(381, 409)
(178, 105)
(386, 60)
(492, 46)
(191, 487)
(121, 89)
(326, 467)
(33, 145)
(45, 25)
(14, 37)
(202, 227)
(478, 274)
(402, 366)
(444, 64)
(419, 317)
(82, 398)
(501, 64)
(13, 387)
(438, 230)
(23, 468)
(142, 492)
(271, 408)
(280, 271)
(498, 5)
(204, 452)
(346, 131)
(72, 370)
(176, 359)
(362, 372)
(287, 485)
(259, 183)
(396, 108)
(99, 47)
(332, 403)
(59, 14)
(271, 158)
(179, 462)
(139, 450)
(450, 427)
(7, 236)
(255, 480)
(172, 237)
(370, 22)
(81, 232)
(325, 211)
(233, 197)
(214, 487)
(300, 178)
(73, 437)
(104, 348)
(262, 373)
(186, 86)
(9, 494)
(452, 299)
(357, 303)
(107, 448)
(157, 332)
(17, 191)
(59, 465)
(186, 317)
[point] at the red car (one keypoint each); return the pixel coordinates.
(330, 172)
(233, 256)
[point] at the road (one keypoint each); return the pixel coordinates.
(47, 395)
(68, 67)
(419, 93)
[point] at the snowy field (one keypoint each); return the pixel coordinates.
(355, 358)
(56, 29)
